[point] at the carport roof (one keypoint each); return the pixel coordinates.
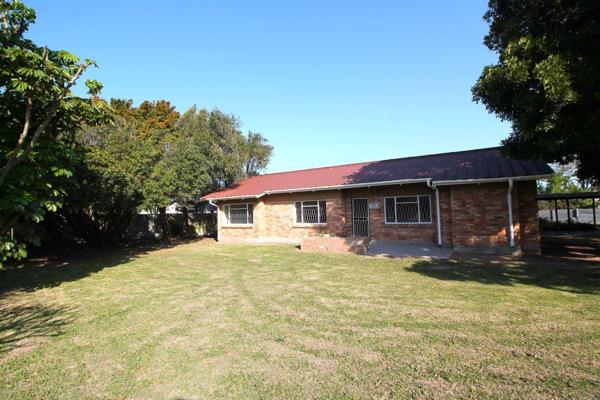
(569, 196)
(445, 168)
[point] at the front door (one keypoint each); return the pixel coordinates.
(360, 217)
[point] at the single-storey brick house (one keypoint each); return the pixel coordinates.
(467, 200)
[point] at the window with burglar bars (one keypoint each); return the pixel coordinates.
(311, 212)
(238, 214)
(408, 210)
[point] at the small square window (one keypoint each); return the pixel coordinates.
(408, 209)
(239, 214)
(311, 212)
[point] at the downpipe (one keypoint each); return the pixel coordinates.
(511, 231)
(438, 218)
(213, 204)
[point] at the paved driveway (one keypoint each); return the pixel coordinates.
(392, 248)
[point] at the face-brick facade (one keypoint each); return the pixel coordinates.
(472, 216)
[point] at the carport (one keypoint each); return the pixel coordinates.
(567, 197)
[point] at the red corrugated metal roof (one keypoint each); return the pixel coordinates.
(471, 164)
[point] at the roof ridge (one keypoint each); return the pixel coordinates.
(374, 161)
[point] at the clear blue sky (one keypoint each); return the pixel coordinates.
(326, 82)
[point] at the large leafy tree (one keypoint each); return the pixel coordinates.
(547, 79)
(144, 160)
(107, 189)
(38, 117)
(180, 176)
(231, 154)
(257, 154)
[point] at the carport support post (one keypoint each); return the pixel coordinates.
(594, 211)
(568, 216)
(556, 213)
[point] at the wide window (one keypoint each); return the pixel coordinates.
(238, 214)
(311, 212)
(408, 210)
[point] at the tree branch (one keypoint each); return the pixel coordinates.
(9, 224)
(27, 122)
(15, 159)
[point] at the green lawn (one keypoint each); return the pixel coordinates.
(202, 320)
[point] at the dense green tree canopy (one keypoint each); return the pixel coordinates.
(111, 167)
(106, 162)
(547, 79)
(133, 164)
(38, 117)
(231, 154)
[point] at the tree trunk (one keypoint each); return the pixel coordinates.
(186, 227)
(164, 223)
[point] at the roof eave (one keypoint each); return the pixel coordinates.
(322, 188)
(383, 183)
(491, 180)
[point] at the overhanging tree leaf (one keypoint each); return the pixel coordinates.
(547, 79)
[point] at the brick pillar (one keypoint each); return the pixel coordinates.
(528, 217)
(446, 216)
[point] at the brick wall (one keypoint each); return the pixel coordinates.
(425, 232)
(479, 215)
(446, 216)
(274, 216)
(274, 219)
(528, 217)
(472, 216)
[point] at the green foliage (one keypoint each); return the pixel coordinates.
(38, 117)
(231, 155)
(547, 79)
(108, 187)
(257, 154)
(564, 181)
(148, 160)
(180, 175)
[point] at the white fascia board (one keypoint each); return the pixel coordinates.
(348, 186)
(490, 180)
(234, 198)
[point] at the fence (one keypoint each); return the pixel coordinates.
(146, 226)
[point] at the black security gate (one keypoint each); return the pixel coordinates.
(360, 217)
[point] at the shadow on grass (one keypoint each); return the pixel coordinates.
(574, 277)
(572, 246)
(23, 325)
(50, 271)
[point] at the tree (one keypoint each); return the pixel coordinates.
(258, 154)
(123, 167)
(156, 117)
(179, 176)
(547, 79)
(38, 117)
(107, 189)
(131, 164)
(565, 180)
(230, 154)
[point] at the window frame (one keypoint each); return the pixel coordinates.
(227, 213)
(418, 196)
(302, 223)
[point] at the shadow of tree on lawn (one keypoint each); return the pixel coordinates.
(575, 277)
(50, 271)
(25, 324)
